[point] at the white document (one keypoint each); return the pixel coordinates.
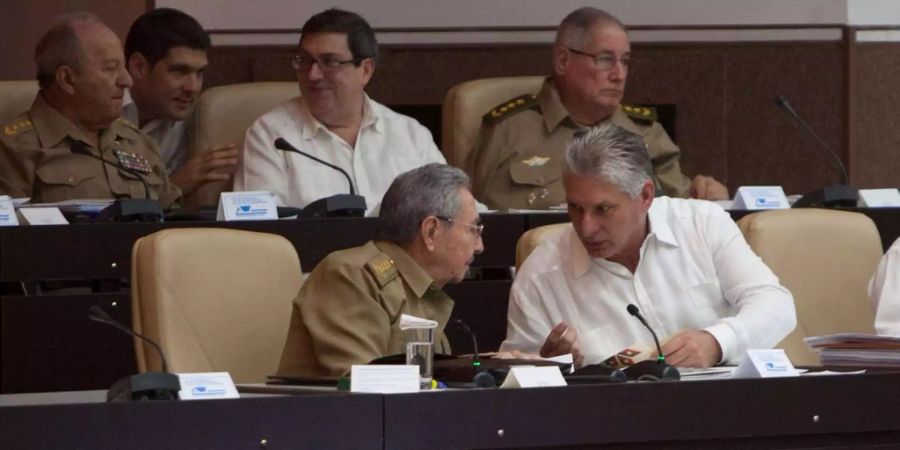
(533, 376)
(253, 205)
(206, 385)
(384, 379)
(7, 212)
(753, 198)
(407, 322)
(772, 363)
(879, 198)
(42, 216)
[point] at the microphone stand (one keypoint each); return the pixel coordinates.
(658, 369)
(340, 205)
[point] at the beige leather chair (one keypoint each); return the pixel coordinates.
(533, 237)
(825, 258)
(16, 97)
(223, 115)
(464, 106)
(214, 299)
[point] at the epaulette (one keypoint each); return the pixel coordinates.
(382, 268)
(640, 113)
(510, 107)
(14, 128)
(128, 123)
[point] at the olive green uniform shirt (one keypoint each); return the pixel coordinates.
(37, 161)
(522, 152)
(348, 310)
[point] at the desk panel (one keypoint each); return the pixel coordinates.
(320, 421)
(690, 414)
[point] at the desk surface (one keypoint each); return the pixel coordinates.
(805, 412)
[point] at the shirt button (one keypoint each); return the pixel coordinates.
(71, 179)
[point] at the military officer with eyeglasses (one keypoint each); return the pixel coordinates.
(520, 155)
(334, 120)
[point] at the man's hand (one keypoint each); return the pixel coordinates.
(692, 348)
(561, 340)
(707, 188)
(216, 164)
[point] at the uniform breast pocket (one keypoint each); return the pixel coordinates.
(135, 183)
(59, 182)
(708, 301)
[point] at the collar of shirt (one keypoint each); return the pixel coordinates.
(52, 127)
(311, 125)
(659, 229)
(409, 269)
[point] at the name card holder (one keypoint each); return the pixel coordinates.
(765, 364)
(533, 376)
(7, 212)
(42, 216)
(206, 385)
(384, 379)
(251, 205)
(879, 198)
(755, 198)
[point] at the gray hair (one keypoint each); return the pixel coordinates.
(430, 190)
(60, 46)
(573, 30)
(613, 154)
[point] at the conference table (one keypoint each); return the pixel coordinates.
(51, 275)
(858, 411)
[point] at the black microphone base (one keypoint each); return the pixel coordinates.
(341, 205)
(132, 210)
(148, 386)
(829, 197)
(596, 373)
(652, 369)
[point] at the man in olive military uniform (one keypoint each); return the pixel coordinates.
(348, 310)
(523, 141)
(52, 152)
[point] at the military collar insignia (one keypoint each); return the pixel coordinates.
(536, 161)
(17, 127)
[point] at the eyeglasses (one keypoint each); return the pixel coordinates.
(476, 230)
(603, 61)
(328, 63)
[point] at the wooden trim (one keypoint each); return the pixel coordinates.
(850, 150)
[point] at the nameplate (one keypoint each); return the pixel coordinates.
(384, 379)
(765, 364)
(754, 198)
(879, 198)
(7, 212)
(532, 377)
(253, 205)
(42, 216)
(208, 385)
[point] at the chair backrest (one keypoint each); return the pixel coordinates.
(825, 258)
(530, 239)
(214, 299)
(16, 97)
(464, 106)
(223, 114)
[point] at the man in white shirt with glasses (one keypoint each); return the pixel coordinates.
(334, 120)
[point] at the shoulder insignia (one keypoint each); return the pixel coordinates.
(510, 107)
(15, 128)
(383, 269)
(640, 113)
(127, 123)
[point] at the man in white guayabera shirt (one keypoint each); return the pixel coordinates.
(684, 263)
(334, 120)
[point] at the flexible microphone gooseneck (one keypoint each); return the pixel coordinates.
(98, 314)
(284, 145)
(80, 148)
(143, 386)
(481, 378)
(658, 369)
(783, 103)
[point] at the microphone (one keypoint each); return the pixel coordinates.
(838, 195)
(124, 209)
(343, 205)
(482, 377)
(658, 369)
(144, 386)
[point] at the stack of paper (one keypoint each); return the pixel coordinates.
(861, 350)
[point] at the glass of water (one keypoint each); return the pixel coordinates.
(420, 352)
